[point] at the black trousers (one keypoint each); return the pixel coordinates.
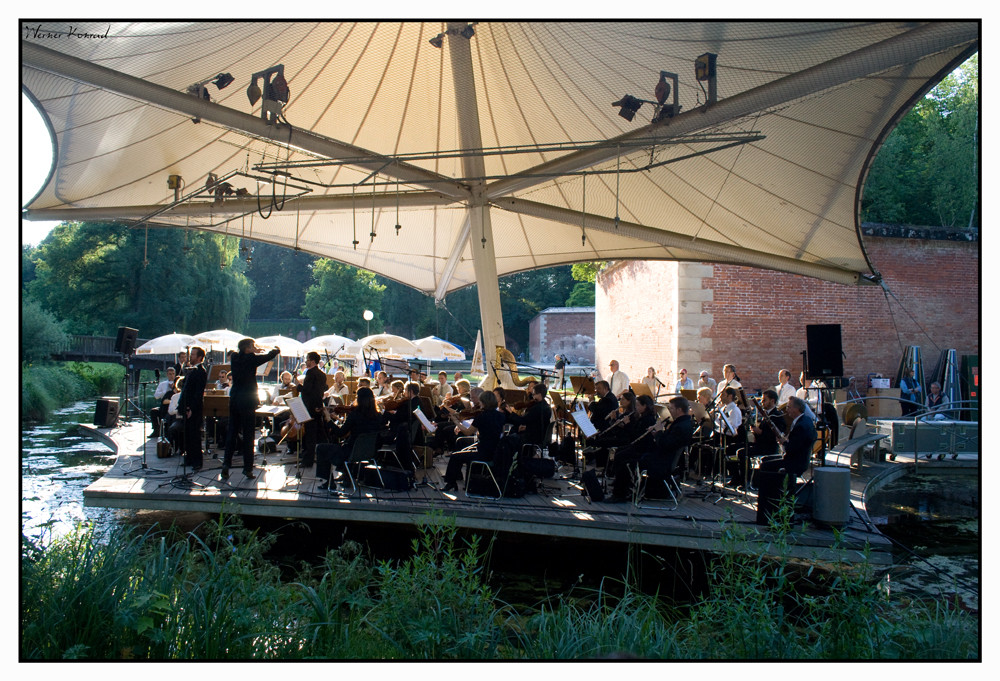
(241, 423)
(192, 439)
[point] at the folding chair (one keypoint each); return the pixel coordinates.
(669, 482)
(363, 452)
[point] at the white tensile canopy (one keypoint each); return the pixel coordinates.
(495, 149)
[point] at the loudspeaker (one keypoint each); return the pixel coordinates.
(823, 350)
(125, 341)
(106, 414)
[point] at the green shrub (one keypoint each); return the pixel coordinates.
(46, 387)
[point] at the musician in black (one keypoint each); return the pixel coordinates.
(363, 418)
(313, 388)
(488, 427)
(603, 407)
(534, 424)
(616, 434)
(765, 438)
(191, 406)
(798, 443)
(242, 402)
(662, 456)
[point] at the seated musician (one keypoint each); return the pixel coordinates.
(175, 424)
(445, 437)
(363, 382)
(383, 386)
(639, 429)
(395, 393)
(364, 418)
(765, 440)
(441, 389)
(283, 389)
(164, 391)
(615, 434)
(488, 427)
(798, 444)
(604, 406)
(533, 425)
(658, 457)
(222, 382)
(339, 388)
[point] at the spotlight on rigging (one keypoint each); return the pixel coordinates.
(628, 106)
(468, 32)
(438, 40)
(223, 80)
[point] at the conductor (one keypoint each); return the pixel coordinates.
(242, 402)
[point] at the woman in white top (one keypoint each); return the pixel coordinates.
(651, 381)
(339, 388)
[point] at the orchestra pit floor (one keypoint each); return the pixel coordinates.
(559, 511)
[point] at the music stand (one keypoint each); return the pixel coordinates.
(214, 406)
(215, 370)
(583, 385)
(641, 389)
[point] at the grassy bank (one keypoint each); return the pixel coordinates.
(48, 386)
(213, 595)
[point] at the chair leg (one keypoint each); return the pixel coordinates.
(489, 470)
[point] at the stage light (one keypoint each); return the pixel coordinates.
(662, 90)
(253, 93)
(467, 32)
(223, 80)
(628, 106)
(438, 40)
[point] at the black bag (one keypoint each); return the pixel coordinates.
(540, 467)
(592, 486)
(267, 445)
(393, 479)
(566, 452)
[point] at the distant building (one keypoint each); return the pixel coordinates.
(565, 331)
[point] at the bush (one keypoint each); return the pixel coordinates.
(41, 332)
(47, 387)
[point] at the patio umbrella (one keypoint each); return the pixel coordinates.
(385, 344)
(220, 339)
(435, 348)
(331, 343)
(170, 344)
(289, 346)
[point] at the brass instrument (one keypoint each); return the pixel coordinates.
(505, 360)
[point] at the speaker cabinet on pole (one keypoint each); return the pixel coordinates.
(125, 341)
(823, 349)
(106, 415)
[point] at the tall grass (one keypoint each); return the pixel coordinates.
(214, 595)
(46, 387)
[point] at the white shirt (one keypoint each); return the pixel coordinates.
(810, 396)
(276, 396)
(174, 401)
(162, 389)
(334, 390)
(784, 392)
(736, 385)
(618, 382)
(729, 419)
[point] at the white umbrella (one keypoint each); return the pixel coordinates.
(220, 339)
(329, 343)
(170, 344)
(386, 344)
(289, 346)
(435, 348)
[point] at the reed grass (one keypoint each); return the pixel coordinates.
(213, 594)
(48, 386)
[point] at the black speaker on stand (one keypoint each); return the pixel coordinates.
(106, 414)
(824, 351)
(125, 340)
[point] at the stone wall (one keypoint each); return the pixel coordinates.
(700, 316)
(562, 330)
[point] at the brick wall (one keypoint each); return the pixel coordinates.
(756, 318)
(564, 331)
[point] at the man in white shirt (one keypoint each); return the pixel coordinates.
(809, 394)
(163, 390)
(283, 389)
(729, 371)
(784, 388)
(618, 380)
(729, 418)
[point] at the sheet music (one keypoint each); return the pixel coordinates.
(583, 421)
(298, 408)
(424, 421)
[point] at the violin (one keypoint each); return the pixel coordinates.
(468, 413)
(519, 406)
(341, 409)
(392, 405)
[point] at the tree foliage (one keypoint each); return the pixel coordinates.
(338, 297)
(926, 171)
(280, 277)
(41, 332)
(97, 277)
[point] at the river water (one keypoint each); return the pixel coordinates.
(935, 517)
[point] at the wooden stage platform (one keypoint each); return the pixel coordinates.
(560, 511)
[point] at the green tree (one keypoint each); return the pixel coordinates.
(338, 296)
(582, 295)
(280, 277)
(41, 332)
(926, 171)
(98, 277)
